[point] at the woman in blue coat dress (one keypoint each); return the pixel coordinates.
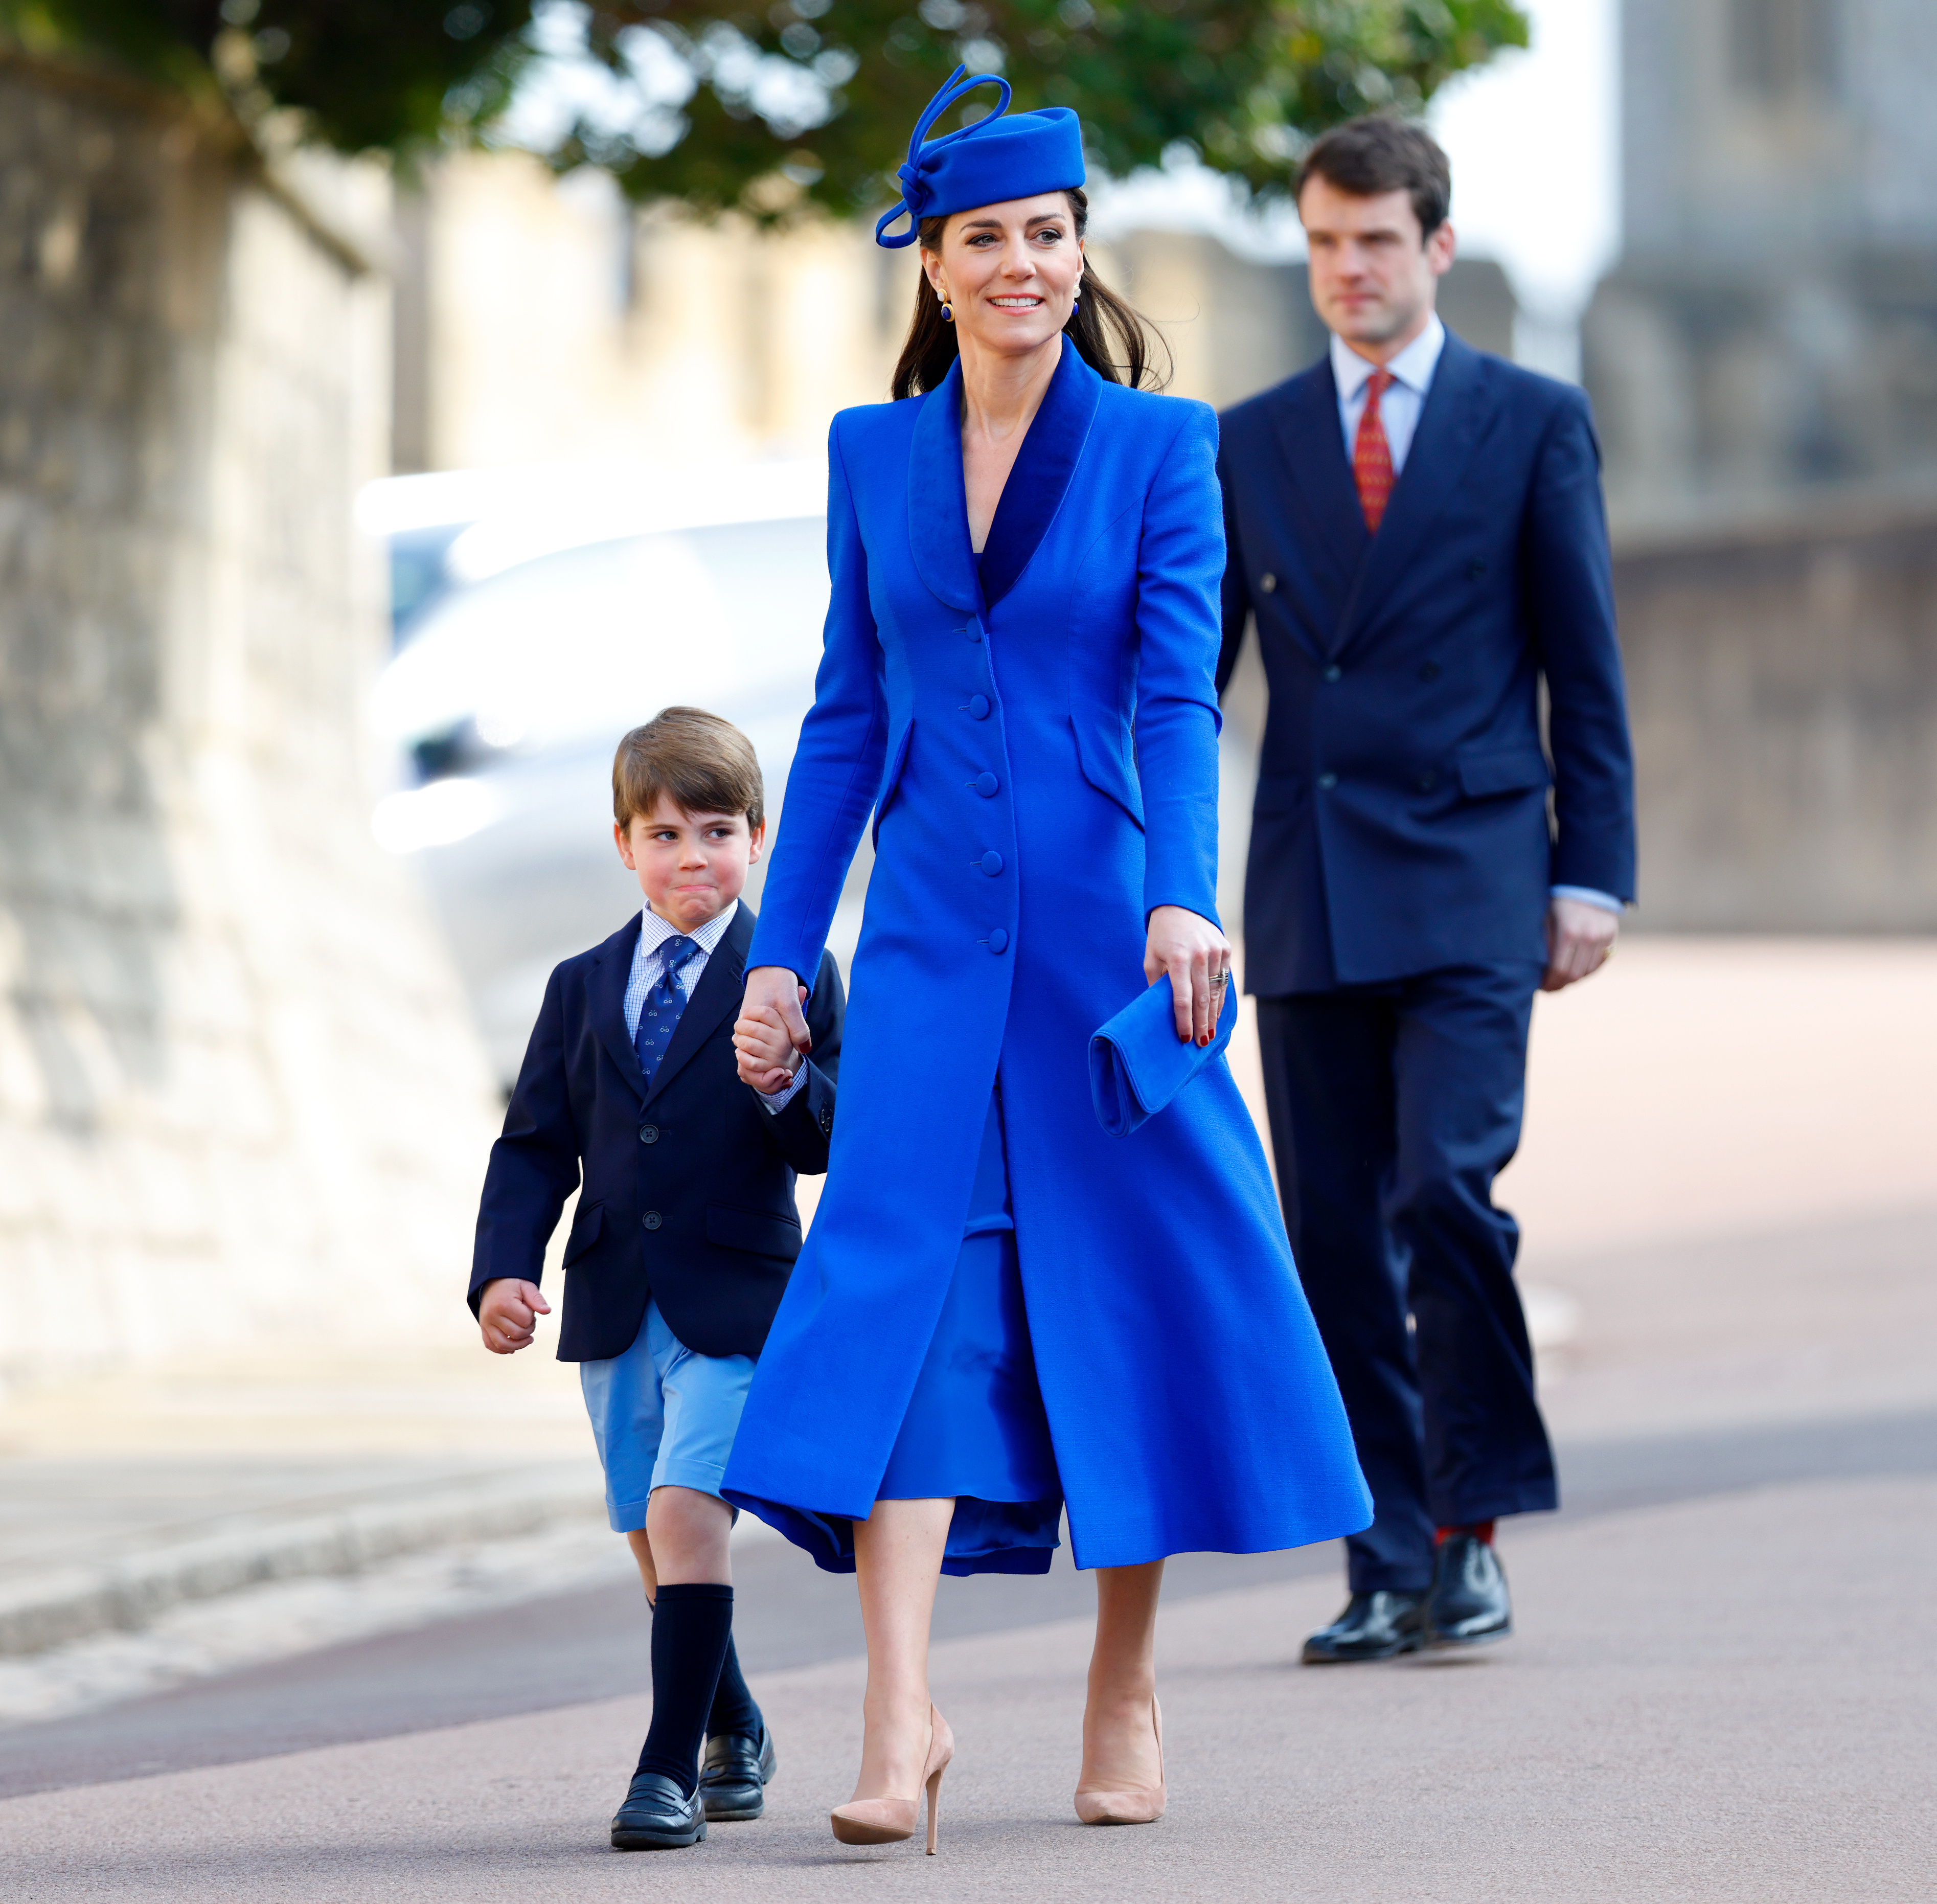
(1002, 1311)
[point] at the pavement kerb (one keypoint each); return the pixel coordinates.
(69, 1603)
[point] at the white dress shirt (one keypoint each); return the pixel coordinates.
(1411, 372)
(1399, 408)
(649, 968)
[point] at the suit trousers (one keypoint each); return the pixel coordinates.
(1392, 1108)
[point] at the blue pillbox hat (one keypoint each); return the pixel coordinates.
(988, 163)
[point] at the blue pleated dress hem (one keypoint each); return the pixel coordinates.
(975, 1429)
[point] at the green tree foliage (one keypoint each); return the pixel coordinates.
(768, 109)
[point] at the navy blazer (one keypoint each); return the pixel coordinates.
(688, 1186)
(1402, 822)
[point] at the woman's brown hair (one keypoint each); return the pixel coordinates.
(1112, 338)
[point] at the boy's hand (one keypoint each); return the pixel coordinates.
(767, 1056)
(507, 1312)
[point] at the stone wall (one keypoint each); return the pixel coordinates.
(240, 1097)
(1782, 676)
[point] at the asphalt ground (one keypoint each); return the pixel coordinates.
(588, 1645)
(1732, 1697)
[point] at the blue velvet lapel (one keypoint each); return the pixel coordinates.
(1044, 463)
(1450, 426)
(605, 996)
(938, 503)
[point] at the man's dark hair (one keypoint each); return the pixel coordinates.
(1381, 153)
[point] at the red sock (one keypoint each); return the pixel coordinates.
(1481, 1531)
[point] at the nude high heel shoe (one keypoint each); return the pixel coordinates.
(1096, 1807)
(889, 1821)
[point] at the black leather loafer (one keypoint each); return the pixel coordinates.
(738, 1768)
(657, 1816)
(1469, 1605)
(1378, 1626)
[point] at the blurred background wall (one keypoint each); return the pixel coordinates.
(240, 1093)
(1763, 364)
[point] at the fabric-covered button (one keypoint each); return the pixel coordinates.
(651, 1220)
(991, 863)
(1333, 673)
(978, 706)
(649, 1133)
(974, 631)
(986, 784)
(1267, 583)
(998, 941)
(1328, 781)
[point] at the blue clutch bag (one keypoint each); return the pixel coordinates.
(1137, 1063)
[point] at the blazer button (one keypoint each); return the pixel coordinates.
(986, 784)
(650, 1219)
(1267, 583)
(1429, 671)
(978, 706)
(826, 1120)
(998, 941)
(974, 631)
(991, 863)
(1427, 781)
(1328, 781)
(1333, 673)
(649, 1133)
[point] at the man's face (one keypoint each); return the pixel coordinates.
(690, 866)
(1373, 272)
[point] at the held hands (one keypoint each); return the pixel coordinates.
(770, 1035)
(506, 1314)
(1580, 940)
(1197, 958)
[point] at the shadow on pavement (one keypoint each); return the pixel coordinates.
(591, 1645)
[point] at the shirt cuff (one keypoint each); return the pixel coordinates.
(1588, 896)
(786, 1094)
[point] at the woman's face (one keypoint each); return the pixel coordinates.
(1009, 272)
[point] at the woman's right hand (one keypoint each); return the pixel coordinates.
(773, 993)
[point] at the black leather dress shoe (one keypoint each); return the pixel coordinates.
(1378, 1626)
(733, 1780)
(1469, 1605)
(657, 1816)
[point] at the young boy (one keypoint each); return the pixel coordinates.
(686, 1231)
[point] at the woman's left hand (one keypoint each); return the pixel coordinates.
(1197, 956)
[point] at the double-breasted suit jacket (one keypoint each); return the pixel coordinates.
(1042, 769)
(1402, 822)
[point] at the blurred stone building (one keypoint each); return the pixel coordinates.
(240, 1098)
(1763, 365)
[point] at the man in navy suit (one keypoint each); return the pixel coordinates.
(1417, 529)
(685, 1233)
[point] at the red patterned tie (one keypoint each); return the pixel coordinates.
(1372, 454)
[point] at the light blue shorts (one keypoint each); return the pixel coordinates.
(663, 1417)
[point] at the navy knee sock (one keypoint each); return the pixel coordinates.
(692, 1626)
(733, 1708)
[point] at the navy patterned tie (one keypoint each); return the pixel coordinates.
(664, 1001)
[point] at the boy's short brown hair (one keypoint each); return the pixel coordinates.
(701, 763)
(1380, 153)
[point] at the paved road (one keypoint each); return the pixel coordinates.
(589, 1645)
(1731, 1698)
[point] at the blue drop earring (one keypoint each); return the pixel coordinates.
(947, 312)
